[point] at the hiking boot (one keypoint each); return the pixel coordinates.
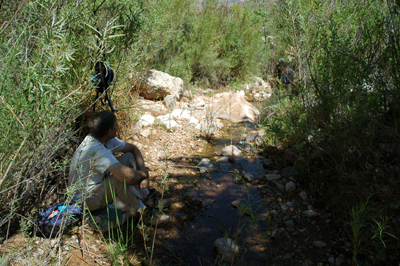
(161, 220)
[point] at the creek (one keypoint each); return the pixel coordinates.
(218, 218)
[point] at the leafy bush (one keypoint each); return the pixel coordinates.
(345, 121)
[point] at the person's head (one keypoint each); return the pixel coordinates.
(282, 62)
(101, 124)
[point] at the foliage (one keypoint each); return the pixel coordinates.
(346, 58)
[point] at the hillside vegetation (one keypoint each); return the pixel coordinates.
(341, 119)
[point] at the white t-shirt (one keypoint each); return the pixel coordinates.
(90, 162)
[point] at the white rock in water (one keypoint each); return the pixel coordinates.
(226, 247)
(231, 150)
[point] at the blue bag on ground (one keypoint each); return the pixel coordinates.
(57, 219)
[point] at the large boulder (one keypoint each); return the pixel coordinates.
(156, 85)
(234, 107)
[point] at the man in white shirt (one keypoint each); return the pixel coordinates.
(98, 177)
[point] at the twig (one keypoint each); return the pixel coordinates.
(186, 166)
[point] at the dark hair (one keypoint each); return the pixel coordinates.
(101, 122)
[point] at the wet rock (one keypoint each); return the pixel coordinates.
(290, 187)
(223, 159)
(226, 248)
(231, 150)
(249, 177)
(288, 172)
(319, 244)
(205, 163)
(256, 137)
(236, 203)
(273, 177)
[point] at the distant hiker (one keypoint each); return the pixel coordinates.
(99, 177)
(284, 73)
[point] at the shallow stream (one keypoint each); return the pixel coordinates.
(218, 218)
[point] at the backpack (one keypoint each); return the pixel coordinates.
(57, 219)
(288, 76)
(102, 79)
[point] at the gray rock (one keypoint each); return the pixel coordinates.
(205, 163)
(231, 150)
(290, 186)
(310, 213)
(223, 159)
(226, 247)
(319, 244)
(249, 177)
(170, 101)
(303, 195)
(273, 177)
(236, 203)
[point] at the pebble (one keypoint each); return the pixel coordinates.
(223, 159)
(236, 203)
(248, 177)
(319, 244)
(303, 195)
(273, 177)
(290, 187)
(310, 213)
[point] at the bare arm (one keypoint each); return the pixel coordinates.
(138, 157)
(125, 174)
(129, 175)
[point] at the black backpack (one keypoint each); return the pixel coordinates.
(103, 78)
(57, 219)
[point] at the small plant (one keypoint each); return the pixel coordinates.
(368, 233)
